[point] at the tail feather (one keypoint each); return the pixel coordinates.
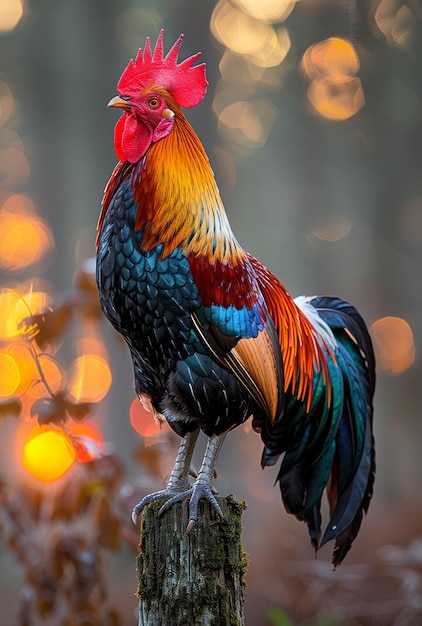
(347, 516)
(355, 453)
(331, 446)
(313, 521)
(342, 316)
(293, 482)
(320, 473)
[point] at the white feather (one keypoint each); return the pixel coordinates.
(303, 303)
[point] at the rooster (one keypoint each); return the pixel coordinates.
(214, 336)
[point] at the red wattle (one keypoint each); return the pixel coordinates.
(132, 138)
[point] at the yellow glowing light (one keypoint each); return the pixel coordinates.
(89, 378)
(267, 10)
(25, 237)
(336, 96)
(19, 351)
(335, 91)
(238, 31)
(14, 307)
(48, 455)
(11, 12)
(394, 344)
(331, 56)
(9, 375)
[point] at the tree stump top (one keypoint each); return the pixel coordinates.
(195, 579)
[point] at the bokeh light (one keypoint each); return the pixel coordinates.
(238, 31)
(143, 420)
(274, 51)
(48, 454)
(267, 10)
(89, 378)
(396, 21)
(42, 375)
(19, 351)
(335, 91)
(332, 227)
(9, 375)
(262, 44)
(336, 97)
(394, 344)
(11, 12)
(52, 373)
(25, 237)
(248, 123)
(17, 304)
(331, 56)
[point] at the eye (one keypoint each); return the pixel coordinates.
(154, 102)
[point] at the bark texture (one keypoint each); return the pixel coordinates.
(196, 579)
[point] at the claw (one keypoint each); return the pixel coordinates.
(192, 520)
(175, 498)
(189, 526)
(158, 495)
(178, 488)
(201, 490)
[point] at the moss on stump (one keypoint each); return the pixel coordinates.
(196, 579)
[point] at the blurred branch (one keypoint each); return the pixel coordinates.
(62, 541)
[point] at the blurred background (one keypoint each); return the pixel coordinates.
(312, 123)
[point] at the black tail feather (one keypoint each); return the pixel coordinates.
(334, 443)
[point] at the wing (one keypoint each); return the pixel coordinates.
(235, 325)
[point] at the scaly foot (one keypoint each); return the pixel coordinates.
(178, 481)
(178, 488)
(201, 488)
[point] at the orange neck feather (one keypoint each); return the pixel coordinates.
(178, 198)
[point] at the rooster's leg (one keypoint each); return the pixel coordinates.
(178, 481)
(202, 487)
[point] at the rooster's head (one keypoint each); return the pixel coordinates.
(151, 90)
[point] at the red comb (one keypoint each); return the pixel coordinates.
(185, 83)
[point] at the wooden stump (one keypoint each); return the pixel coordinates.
(196, 579)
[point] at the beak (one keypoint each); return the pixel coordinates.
(119, 103)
